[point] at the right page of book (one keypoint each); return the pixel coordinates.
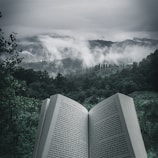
(109, 135)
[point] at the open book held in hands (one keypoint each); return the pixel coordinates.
(109, 130)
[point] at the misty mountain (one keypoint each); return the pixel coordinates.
(66, 54)
(100, 43)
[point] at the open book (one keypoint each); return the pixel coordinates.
(109, 130)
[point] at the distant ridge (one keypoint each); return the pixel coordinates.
(66, 54)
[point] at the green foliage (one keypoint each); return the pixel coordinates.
(18, 115)
(147, 110)
(9, 55)
(19, 125)
(27, 111)
(149, 68)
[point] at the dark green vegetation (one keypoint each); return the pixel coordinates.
(21, 92)
(147, 111)
(18, 114)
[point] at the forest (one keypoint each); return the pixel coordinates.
(22, 91)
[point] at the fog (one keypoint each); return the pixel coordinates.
(55, 47)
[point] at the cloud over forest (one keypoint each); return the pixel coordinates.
(55, 47)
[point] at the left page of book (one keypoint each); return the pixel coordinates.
(40, 125)
(65, 130)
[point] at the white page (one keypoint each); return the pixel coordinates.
(40, 126)
(108, 136)
(65, 133)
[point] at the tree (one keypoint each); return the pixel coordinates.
(9, 87)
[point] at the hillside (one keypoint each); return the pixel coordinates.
(57, 53)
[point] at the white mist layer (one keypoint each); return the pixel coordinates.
(58, 47)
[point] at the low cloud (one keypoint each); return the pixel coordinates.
(57, 47)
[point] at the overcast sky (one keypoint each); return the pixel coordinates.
(111, 19)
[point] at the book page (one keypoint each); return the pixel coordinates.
(108, 137)
(65, 130)
(40, 125)
(132, 124)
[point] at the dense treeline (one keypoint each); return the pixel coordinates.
(142, 76)
(22, 91)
